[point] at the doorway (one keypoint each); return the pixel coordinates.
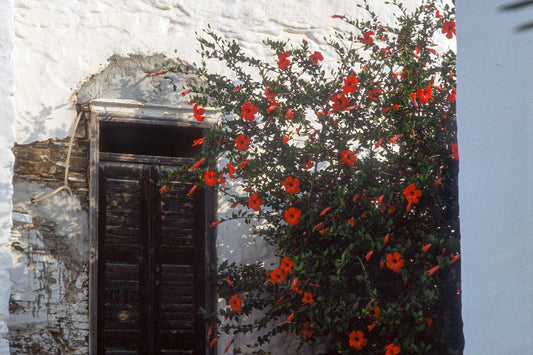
(152, 247)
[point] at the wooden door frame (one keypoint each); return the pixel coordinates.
(130, 112)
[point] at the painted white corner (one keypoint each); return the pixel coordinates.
(495, 119)
(7, 137)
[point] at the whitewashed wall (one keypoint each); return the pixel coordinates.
(495, 117)
(7, 136)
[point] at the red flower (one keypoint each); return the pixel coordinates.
(378, 143)
(289, 114)
(210, 177)
(198, 113)
(455, 152)
(366, 37)
(236, 302)
(373, 311)
(277, 276)
(308, 298)
(242, 142)
(197, 164)
(287, 265)
(357, 339)
(283, 61)
(198, 141)
(448, 28)
(372, 94)
(424, 95)
(392, 349)
(248, 110)
(428, 321)
(453, 258)
(395, 138)
(340, 102)
(369, 255)
(412, 194)
(213, 342)
(191, 191)
(254, 202)
(395, 261)
(351, 221)
(350, 84)
(285, 139)
(228, 345)
(432, 270)
(292, 215)
(308, 334)
(295, 286)
(309, 163)
(291, 185)
(231, 170)
(452, 97)
(315, 57)
(348, 157)
(426, 247)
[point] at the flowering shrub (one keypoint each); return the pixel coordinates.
(351, 175)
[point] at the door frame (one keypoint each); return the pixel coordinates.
(131, 112)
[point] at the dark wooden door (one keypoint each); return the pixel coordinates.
(151, 261)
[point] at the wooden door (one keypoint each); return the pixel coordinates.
(151, 260)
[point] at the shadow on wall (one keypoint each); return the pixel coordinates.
(520, 6)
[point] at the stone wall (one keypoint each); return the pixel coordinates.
(49, 246)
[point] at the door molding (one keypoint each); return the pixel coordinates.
(132, 112)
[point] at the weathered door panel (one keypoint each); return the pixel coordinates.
(151, 249)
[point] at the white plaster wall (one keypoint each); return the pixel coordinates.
(59, 44)
(495, 115)
(7, 137)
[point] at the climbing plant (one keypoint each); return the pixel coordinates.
(350, 174)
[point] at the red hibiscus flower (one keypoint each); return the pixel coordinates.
(236, 302)
(254, 202)
(198, 142)
(287, 265)
(231, 170)
(424, 95)
(395, 138)
(308, 298)
(277, 276)
(198, 113)
(242, 142)
(348, 157)
(432, 270)
(367, 39)
(412, 194)
(292, 215)
(283, 61)
(315, 57)
(357, 340)
(373, 94)
(453, 96)
(395, 261)
(340, 102)
(455, 152)
(248, 111)
(448, 28)
(295, 286)
(291, 185)
(392, 349)
(350, 84)
(309, 163)
(210, 177)
(426, 247)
